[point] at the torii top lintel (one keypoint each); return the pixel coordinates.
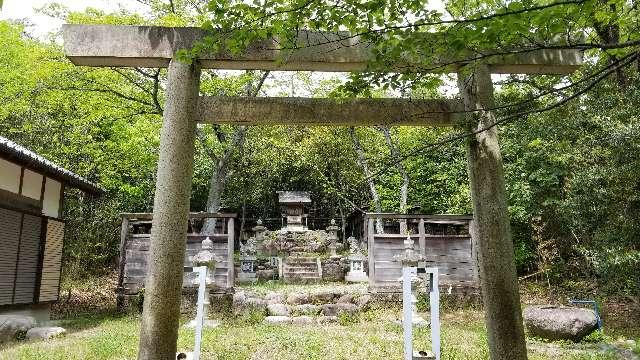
(154, 46)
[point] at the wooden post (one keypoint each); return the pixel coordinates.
(163, 288)
(422, 240)
(370, 245)
(124, 231)
(496, 261)
(474, 251)
(230, 245)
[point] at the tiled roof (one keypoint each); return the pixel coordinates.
(13, 152)
(289, 197)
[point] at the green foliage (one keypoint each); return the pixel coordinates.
(595, 337)
(346, 318)
(571, 172)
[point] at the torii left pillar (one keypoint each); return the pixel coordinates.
(161, 312)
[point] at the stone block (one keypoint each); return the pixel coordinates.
(323, 297)
(302, 320)
(277, 310)
(277, 320)
(298, 299)
(346, 299)
(327, 319)
(274, 298)
(266, 275)
(45, 333)
(337, 309)
(13, 325)
(306, 309)
(245, 302)
(364, 301)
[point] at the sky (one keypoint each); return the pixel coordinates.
(42, 24)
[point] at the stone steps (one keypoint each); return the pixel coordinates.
(305, 260)
(301, 269)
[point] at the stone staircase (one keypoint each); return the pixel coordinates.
(298, 269)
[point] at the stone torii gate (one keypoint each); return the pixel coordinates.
(142, 46)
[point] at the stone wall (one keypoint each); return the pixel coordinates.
(335, 268)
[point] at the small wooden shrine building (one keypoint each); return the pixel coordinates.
(32, 228)
(293, 205)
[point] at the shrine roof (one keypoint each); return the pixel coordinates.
(294, 197)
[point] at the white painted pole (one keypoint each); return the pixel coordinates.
(407, 321)
(202, 276)
(434, 302)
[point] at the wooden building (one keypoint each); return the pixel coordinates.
(32, 228)
(134, 252)
(293, 209)
(445, 241)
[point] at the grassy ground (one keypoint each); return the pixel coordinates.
(100, 334)
(372, 336)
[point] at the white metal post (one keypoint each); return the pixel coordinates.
(434, 304)
(407, 311)
(202, 277)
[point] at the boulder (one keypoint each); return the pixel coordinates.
(327, 319)
(274, 298)
(45, 333)
(364, 301)
(11, 326)
(337, 309)
(243, 302)
(265, 275)
(277, 320)
(297, 299)
(323, 297)
(302, 320)
(346, 299)
(306, 309)
(559, 322)
(239, 298)
(277, 310)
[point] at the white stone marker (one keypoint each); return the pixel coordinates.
(356, 263)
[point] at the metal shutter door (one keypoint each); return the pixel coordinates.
(51, 262)
(28, 257)
(9, 239)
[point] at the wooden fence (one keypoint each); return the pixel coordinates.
(134, 250)
(444, 240)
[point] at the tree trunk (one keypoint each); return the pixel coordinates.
(221, 164)
(404, 188)
(362, 161)
(219, 177)
(497, 270)
(161, 313)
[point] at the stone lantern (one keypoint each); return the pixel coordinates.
(409, 259)
(333, 238)
(356, 263)
(248, 261)
(259, 231)
(206, 257)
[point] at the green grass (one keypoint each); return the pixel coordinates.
(373, 336)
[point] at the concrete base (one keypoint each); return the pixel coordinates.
(40, 312)
(356, 276)
(246, 278)
(208, 323)
(423, 355)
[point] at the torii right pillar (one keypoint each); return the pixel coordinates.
(496, 262)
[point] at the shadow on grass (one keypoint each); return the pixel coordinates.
(91, 320)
